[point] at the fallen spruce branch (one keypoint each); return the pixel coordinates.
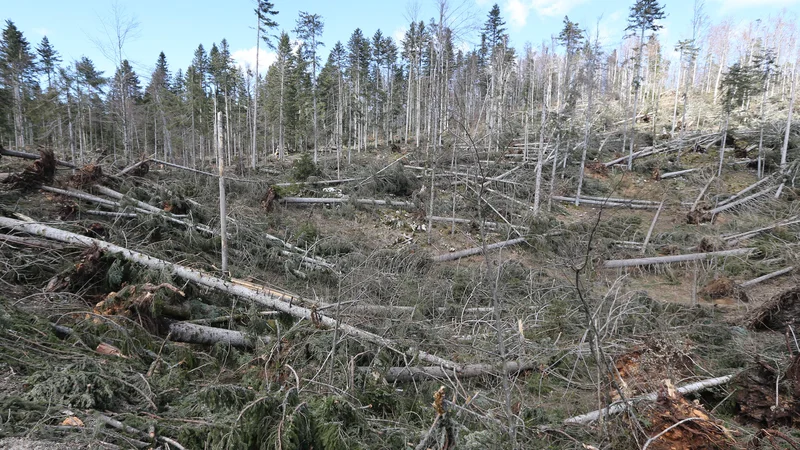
(476, 250)
(612, 263)
(620, 406)
(265, 297)
(733, 238)
(141, 434)
(30, 242)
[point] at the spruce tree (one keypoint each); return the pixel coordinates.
(17, 69)
(309, 29)
(49, 59)
(644, 15)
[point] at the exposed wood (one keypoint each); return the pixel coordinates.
(621, 406)
(768, 276)
(268, 298)
(315, 183)
(476, 250)
(612, 263)
(131, 167)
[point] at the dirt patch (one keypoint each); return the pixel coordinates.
(778, 312)
(724, 290)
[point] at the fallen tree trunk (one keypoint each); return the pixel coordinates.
(31, 242)
(766, 277)
(702, 193)
(744, 191)
(193, 333)
(605, 203)
(271, 299)
(407, 374)
(677, 173)
(748, 234)
(612, 263)
(24, 155)
(476, 250)
(618, 407)
(473, 222)
(362, 201)
(315, 183)
(727, 206)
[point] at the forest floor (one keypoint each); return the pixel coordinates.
(92, 353)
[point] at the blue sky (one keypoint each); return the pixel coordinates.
(176, 27)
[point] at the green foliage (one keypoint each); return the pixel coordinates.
(304, 168)
(85, 384)
(394, 181)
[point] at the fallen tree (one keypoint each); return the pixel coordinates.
(265, 297)
(360, 201)
(406, 374)
(476, 250)
(621, 406)
(612, 263)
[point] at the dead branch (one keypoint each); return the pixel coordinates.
(677, 173)
(728, 206)
(362, 201)
(605, 203)
(407, 374)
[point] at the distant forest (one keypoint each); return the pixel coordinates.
(422, 91)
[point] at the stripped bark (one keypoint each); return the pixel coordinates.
(193, 333)
(612, 263)
(266, 297)
(605, 203)
(677, 173)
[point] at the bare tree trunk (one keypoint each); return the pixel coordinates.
(222, 202)
(785, 147)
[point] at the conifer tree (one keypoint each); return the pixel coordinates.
(49, 59)
(309, 29)
(644, 15)
(264, 22)
(17, 69)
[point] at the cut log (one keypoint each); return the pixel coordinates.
(618, 407)
(271, 299)
(766, 277)
(612, 263)
(475, 250)
(407, 374)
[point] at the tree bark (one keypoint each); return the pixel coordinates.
(614, 263)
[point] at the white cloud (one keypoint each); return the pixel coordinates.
(246, 58)
(42, 31)
(398, 35)
(518, 11)
(554, 8)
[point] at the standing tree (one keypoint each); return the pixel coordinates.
(643, 16)
(571, 38)
(49, 59)
(309, 29)
(263, 23)
(17, 69)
